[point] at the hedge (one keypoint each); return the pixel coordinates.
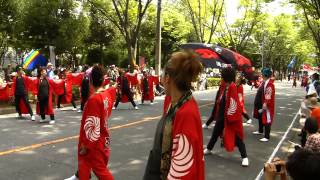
(213, 82)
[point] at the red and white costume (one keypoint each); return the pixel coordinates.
(268, 98)
(241, 97)
(94, 135)
(187, 162)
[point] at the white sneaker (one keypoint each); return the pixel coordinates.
(207, 151)
(52, 122)
(79, 111)
(256, 133)
(245, 162)
(74, 109)
(264, 140)
(33, 118)
(249, 121)
(42, 120)
(58, 109)
(74, 177)
(204, 126)
(114, 108)
(151, 103)
(136, 108)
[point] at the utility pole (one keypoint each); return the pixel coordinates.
(158, 40)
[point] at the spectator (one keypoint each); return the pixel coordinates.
(301, 165)
(8, 73)
(313, 141)
(50, 73)
(305, 104)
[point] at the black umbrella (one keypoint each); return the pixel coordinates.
(208, 57)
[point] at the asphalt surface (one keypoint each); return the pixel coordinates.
(30, 150)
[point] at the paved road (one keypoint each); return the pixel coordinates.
(48, 152)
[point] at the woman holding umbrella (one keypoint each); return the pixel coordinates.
(177, 150)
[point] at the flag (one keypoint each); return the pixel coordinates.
(292, 62)
(33, 59)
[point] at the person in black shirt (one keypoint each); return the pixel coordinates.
(85, 89)
(124, 89)
(45, 106)
(20, 93)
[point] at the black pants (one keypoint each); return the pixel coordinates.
(211, 118)
(129, 95)
(267, 127)
(303, 137)
(60, 99)
(245, 115)
(83, 102)
(217, 131)
(25, 100)
(43, 105)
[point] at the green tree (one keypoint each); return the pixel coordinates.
(311, 12)
(56, 23)
(127, 16)
(205, 16)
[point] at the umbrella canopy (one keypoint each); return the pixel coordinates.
(208, 57)
(33, 59)
(226, 56)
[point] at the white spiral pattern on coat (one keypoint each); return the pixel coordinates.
(92, 128)
(268, 93)
(182, 157)
(232, 107)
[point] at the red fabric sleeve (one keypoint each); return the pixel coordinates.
(76, 78)
(4, 92)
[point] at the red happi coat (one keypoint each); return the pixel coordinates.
(218, 98)
(28, 84)
(241, 93)
(148, 96)
(232, 118)
(94, 133)
(187, 161)
(268, 98)
(49, 109)
(4, 92)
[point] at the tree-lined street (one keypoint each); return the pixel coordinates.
(51, 149)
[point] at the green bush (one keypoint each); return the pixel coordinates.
(213, 82)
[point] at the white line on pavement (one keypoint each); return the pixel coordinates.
(259, 176)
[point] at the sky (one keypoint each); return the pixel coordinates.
(275, 8)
